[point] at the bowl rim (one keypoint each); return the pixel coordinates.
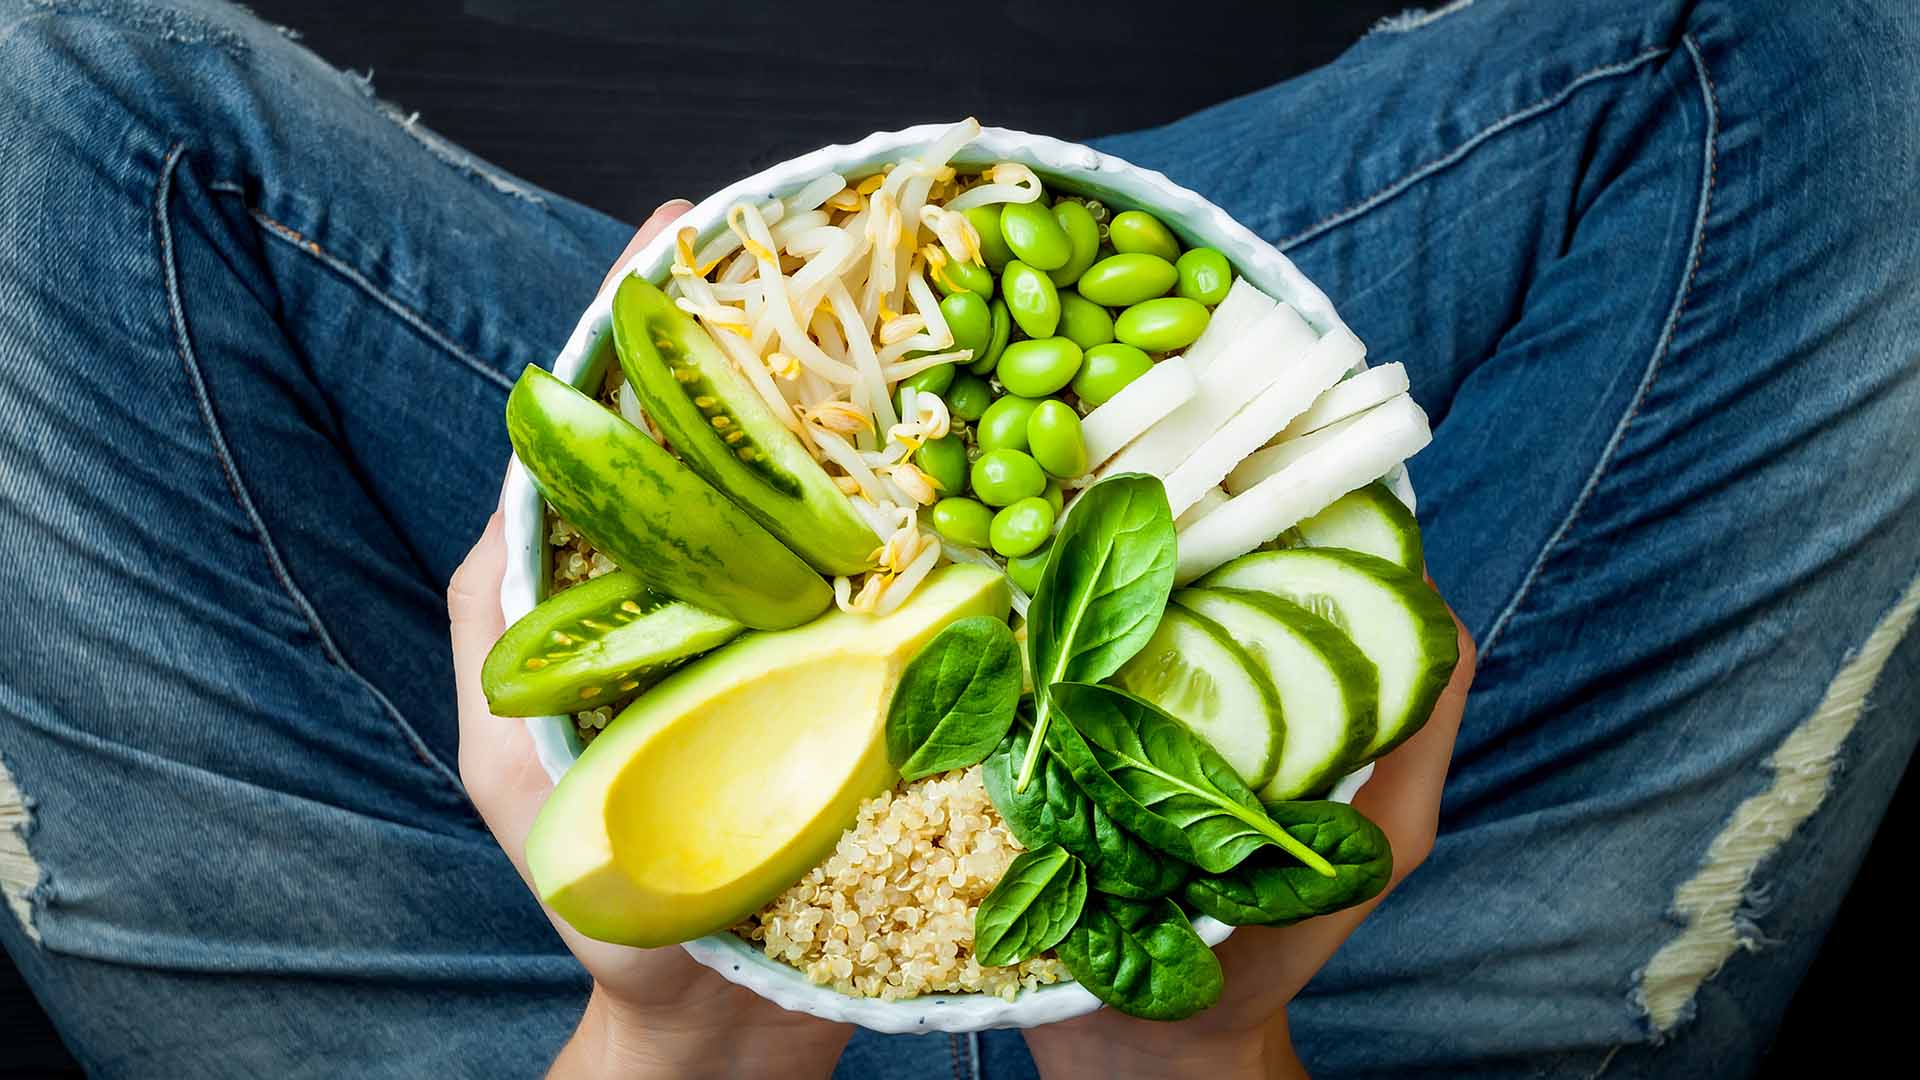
(555, 741)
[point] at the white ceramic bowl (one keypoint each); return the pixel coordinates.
(1076, 168)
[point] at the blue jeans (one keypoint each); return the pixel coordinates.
(1652, 267)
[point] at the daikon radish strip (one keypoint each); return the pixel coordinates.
(1249, 365)
(1232, 321)
(1210, 500)
(1364, 449)
(1136, 408)
(1305, 378)
(1258, 467)
(815, 192)
(1347, 398)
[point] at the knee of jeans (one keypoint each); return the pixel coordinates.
(88, 78)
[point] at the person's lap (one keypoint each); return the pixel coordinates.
(1647, 279)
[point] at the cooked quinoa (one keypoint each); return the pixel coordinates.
(890, 913)
(576, 561)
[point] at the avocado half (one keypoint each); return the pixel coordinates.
(732, 777)
(721, 428)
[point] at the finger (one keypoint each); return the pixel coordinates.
(649, 229)
(473, 614)
(1403, 798)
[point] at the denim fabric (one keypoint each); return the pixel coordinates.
(1651, 267)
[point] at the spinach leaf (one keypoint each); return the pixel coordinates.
(955, 700)
(1053, 810)
(1102, 593)
(1142, 958)
(1272, 889)
(1162, 781)
(1036, 902)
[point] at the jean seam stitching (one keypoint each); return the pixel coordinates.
(298, 241)
(176, 316)
(1709, 175)
(1459, 153)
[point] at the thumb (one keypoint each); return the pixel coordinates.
(473, 614)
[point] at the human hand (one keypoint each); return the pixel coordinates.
(1246, 1033)
(652, 1011)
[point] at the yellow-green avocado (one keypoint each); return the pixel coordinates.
(730, 779)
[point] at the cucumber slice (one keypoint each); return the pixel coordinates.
(1372, 520)
(1195, 673)
(594, 643)
(1395, 619)
(1329, 692)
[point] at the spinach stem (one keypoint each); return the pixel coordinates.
(1031, 763)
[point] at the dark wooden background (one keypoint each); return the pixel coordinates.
(625, 105)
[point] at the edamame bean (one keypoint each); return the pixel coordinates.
(1039, 366)
(968, 398)
(934, 380)
(1171, 322)
(1004, 425)
(944, 460)
(1083, 233)
(955, 277)
(1138, 231)
(1035, 236)
(1002, 477)
(1205, 275)
(1084, 322)
(993, 247)
(1025, 570)
(1120, 280)
(970, 318)
(1054, 496)
(1002, 331)
(1031, 299)
(966, 522)
(1053, 437)
(1021, 527)
(1107, 369)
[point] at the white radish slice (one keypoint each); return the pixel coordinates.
(1140, 405)
(1258, 467)
(1303, 379)
(1210, 500)
(1257, 358)
(1344, 399)
(1232, 319)
(1360, 451)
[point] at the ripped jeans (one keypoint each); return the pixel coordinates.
(1652, 268)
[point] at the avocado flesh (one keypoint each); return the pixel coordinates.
(732, 777)
(723, 430)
